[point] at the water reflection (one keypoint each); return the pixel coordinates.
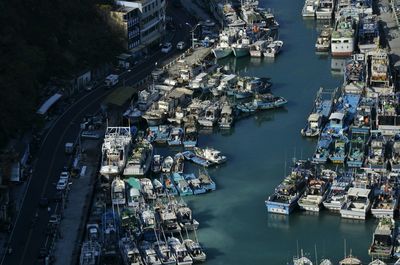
(337, 66)
(279, 221)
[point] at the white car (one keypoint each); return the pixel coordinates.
(166, 48)
(62, 184)
(64, 175)
(181, 45)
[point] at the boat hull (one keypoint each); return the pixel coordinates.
(257, 54)
(220, 53)
(279, 208)
(189, 144)
(241, 52)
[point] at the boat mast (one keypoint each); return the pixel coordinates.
(345, 248)
(316, 256)
(297, 248)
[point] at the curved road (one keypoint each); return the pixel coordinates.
(27, 238)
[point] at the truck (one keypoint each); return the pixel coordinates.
(111, 80)
(69, 148)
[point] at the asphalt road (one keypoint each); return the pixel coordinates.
(28, 236)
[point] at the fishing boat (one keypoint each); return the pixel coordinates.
(158, 134)
(147, 189)
(342, 39)
(386, 200)
(357, 204)
(315, 194)
(166, 165)
(256, 49)
(395, 153)
(168, 185)
(179, 251)
(134, 188)
(175, 136)
(376, 154)
(191, 156)
(179, 162)
(117, 142)
(323, 43)
(223, 48)
(129, 252)
(285, 197)
(164, 253)
(158, 188)
(156, 164)
(206, 181)
(190, 136)
(185, 218)
(368, 33)
(194, 184)
(325, 9)
(118, 196)
(338, 153)
(379, 77)
(358, 141)
(181, 184)
(133, 114)
(146, 97)
(309, 8)
(210, 116)
(147, 220)
(242, 46)
(212, 155)
(195, 250)
(337, 193)
(227, 117)
(91, 253)
(140, 159)
(273, 49)
(154, 116)
(149, 254)
(167, 220)
(383, 239)
(324, 144)
(262, 102)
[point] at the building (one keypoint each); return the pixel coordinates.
(143, 22)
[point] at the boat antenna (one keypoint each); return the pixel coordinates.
(316, 255)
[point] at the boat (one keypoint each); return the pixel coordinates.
(158, 134)
(167, 219)
(395, 154)
(146, 97)
(377, 262)
(368, 33)
(129, 252)
(194, 184)
(378, 74)
(147, 189)
(325, 9)
(227, 117)
(386, 200)
(358, 141)
(273, 49)
(190, 136)
(133, 114)
(166, 165)
(342, 39)
(315, 194)
(338, 153)
(210, 154)
(91, 253)
(134, 189)
(175, 136)
(118, 192)
(376, 154)
(210, 116)
(164, 253)
(179, 162)
(191, 156)
(156, 164)
(195, 250)
(185, 218)
(285, 197)
(117, 142)
(323, 43)
(154, 116)
(301, 260)
(140, 159)
(169, 186)
(109, 228)
(382, 245)
(337, 192)
(324, 144)
(309, 8)
(181, 184)
(206, 181)
(242, 46)
(223, 48)
(147, 220)
(350, 260)
(256, 49)
(262, 102)
(357, 204)
(179, 251)
(149, 254)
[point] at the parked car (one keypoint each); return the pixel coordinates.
(64, 175)
(181, 45)
(166, 48)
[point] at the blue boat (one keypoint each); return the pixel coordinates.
(169, 186)
(175, 136)
(285, 197)
(323, 147)
(191, 156)
(158, 134)
(195, 184)
(181, 184)
(368, 33)
(190, 136)
(206, 180)
(262, 102)
(339, 152)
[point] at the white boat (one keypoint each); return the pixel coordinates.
(242, 46)
(146, 97)
(256, 49)
(383, 239)
(167, 164)
(314, 195)
(227, 118)
(149, 254)
(337, 194)
(147, 189)
(179, 251)
(140, 159)
(164, 253)
(342, 39)
(185, 218)
(323, 42)
(223, 48)
(210, 154)
(190, 136)
(210, 116)
(156, 164)
(325, 9)
(179, 162)
(118, 192)
(129, 252)
(175, 136)
(309, 8)
(350, 260)
(357, 204)
(117, 142)
(195, 250)
(273, 48)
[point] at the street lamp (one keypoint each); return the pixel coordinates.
(192, 30)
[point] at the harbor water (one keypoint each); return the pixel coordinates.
(235, 227)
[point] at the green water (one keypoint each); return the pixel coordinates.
(235, 227)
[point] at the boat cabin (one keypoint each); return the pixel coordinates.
(336, 120)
